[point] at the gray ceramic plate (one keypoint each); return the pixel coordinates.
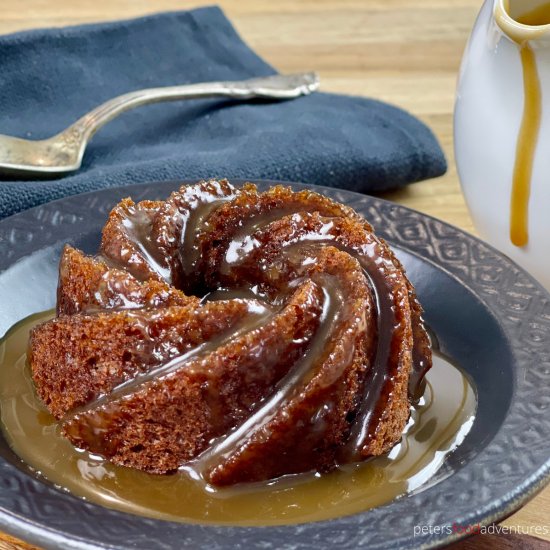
(487, 313)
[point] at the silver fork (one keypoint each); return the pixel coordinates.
(63, 152)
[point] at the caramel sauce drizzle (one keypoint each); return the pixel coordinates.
(438, 424)
(526, 148)
(529, 131)
(433, 431)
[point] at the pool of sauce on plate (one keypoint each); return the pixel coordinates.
(437, 426)
(530, 124)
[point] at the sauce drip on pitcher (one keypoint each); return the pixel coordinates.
(526, 148)
(529, 132)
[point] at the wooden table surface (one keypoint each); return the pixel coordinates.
(400, 51)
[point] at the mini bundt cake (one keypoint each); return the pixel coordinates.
(237, 334)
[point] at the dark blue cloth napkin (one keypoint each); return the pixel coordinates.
(49, 78)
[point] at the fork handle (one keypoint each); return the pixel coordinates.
(274, 87)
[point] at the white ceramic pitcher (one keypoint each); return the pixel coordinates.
(502, 130)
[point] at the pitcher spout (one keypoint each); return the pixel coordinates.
(524, 20)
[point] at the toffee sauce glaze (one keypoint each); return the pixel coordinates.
(298, 253)
(438, 424)
(446, 404)
(529, 132)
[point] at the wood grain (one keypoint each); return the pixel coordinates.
(404, 52)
